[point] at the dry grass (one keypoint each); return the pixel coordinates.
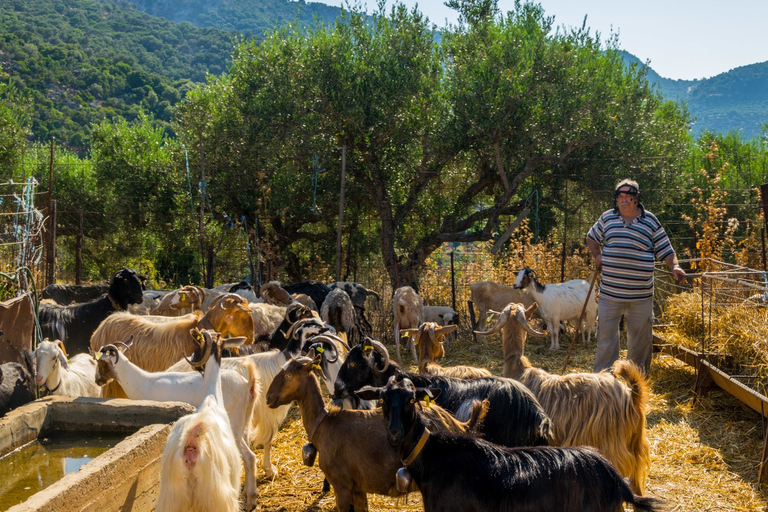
(705, 451)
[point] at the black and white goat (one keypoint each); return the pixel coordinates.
(560, 302)
(463, 473)
(75, 324)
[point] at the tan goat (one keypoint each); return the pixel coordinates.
(429, 339)
(605, 410)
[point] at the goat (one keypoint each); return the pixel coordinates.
(316, 290)
(441, 315)
(160, 341)
(429, 338)
(16, 384)
(75, 324)
(605, 410)
(487, 295)
(183, 301)
(293, 313)
(354, 454)
(200, 466)
(239, 393)
(514, 418)
(459, 472)
(61, 377)
(408, 310)
(358, 294)
(266, 318)
(265, 421)
(66, 294)
(560, 301)
(339, 312)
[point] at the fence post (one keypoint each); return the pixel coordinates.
(51, 248)
(79, 250)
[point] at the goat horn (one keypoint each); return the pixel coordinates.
(520, 316)
(381, 349)
(503, 316)
(327, 343)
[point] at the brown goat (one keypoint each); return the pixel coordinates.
(605, 410)
(487, 296)
(429, 340)
(160, 341)
(354, 452)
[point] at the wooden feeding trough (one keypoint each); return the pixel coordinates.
(709, 376)
(125, 477)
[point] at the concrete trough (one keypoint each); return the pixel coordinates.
(124, 478)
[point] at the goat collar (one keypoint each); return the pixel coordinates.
(115, 304)
(52, 391)
(312, 428)
(417, 449)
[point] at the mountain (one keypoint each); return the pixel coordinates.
(736, 100)
(249, 17)
(83, 61)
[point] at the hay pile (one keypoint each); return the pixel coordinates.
(705, 454)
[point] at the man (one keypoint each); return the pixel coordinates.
(625, 241)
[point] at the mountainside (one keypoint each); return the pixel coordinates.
(82, 61)
(250, 17)
(735, 100)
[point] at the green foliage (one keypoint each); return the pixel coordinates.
(95, 60)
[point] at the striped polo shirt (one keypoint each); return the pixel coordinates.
(629, 252)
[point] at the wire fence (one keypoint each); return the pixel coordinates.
(21, 233)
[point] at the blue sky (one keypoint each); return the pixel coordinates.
(683, 39)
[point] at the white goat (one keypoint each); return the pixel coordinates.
(560, 302)
(200, 466)
(408, 309)
(62, 377)
(487, 296)
(265, 421)
(266, 318)
(240, 394)
(441, 315)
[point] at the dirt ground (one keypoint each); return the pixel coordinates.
(705, 450)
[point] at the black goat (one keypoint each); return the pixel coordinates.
(66, 294)
(75, 324)
(463, 473)
(515, 417)
(17, 385)
(316, 290)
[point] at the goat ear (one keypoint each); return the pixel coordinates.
(368, 393)
(447, 329)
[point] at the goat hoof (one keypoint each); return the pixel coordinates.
(270, 471)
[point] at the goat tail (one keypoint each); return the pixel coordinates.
(637, 441)
(477, 415)
(248, 370)
(646, 503)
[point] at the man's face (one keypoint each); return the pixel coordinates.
(627, 200)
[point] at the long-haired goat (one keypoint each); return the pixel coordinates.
(354, 454)
(338, 311)
(161, 341)
(559, 302)
(239, 392)
(408, 311)
(200, 466)
(515, 417)
(605, 410)
(61, 377)
(464, 473)
(75, 324)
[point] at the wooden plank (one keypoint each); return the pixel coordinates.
(747, 395)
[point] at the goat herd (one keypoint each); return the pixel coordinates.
(465, 439)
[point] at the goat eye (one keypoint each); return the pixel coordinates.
(351, 365)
